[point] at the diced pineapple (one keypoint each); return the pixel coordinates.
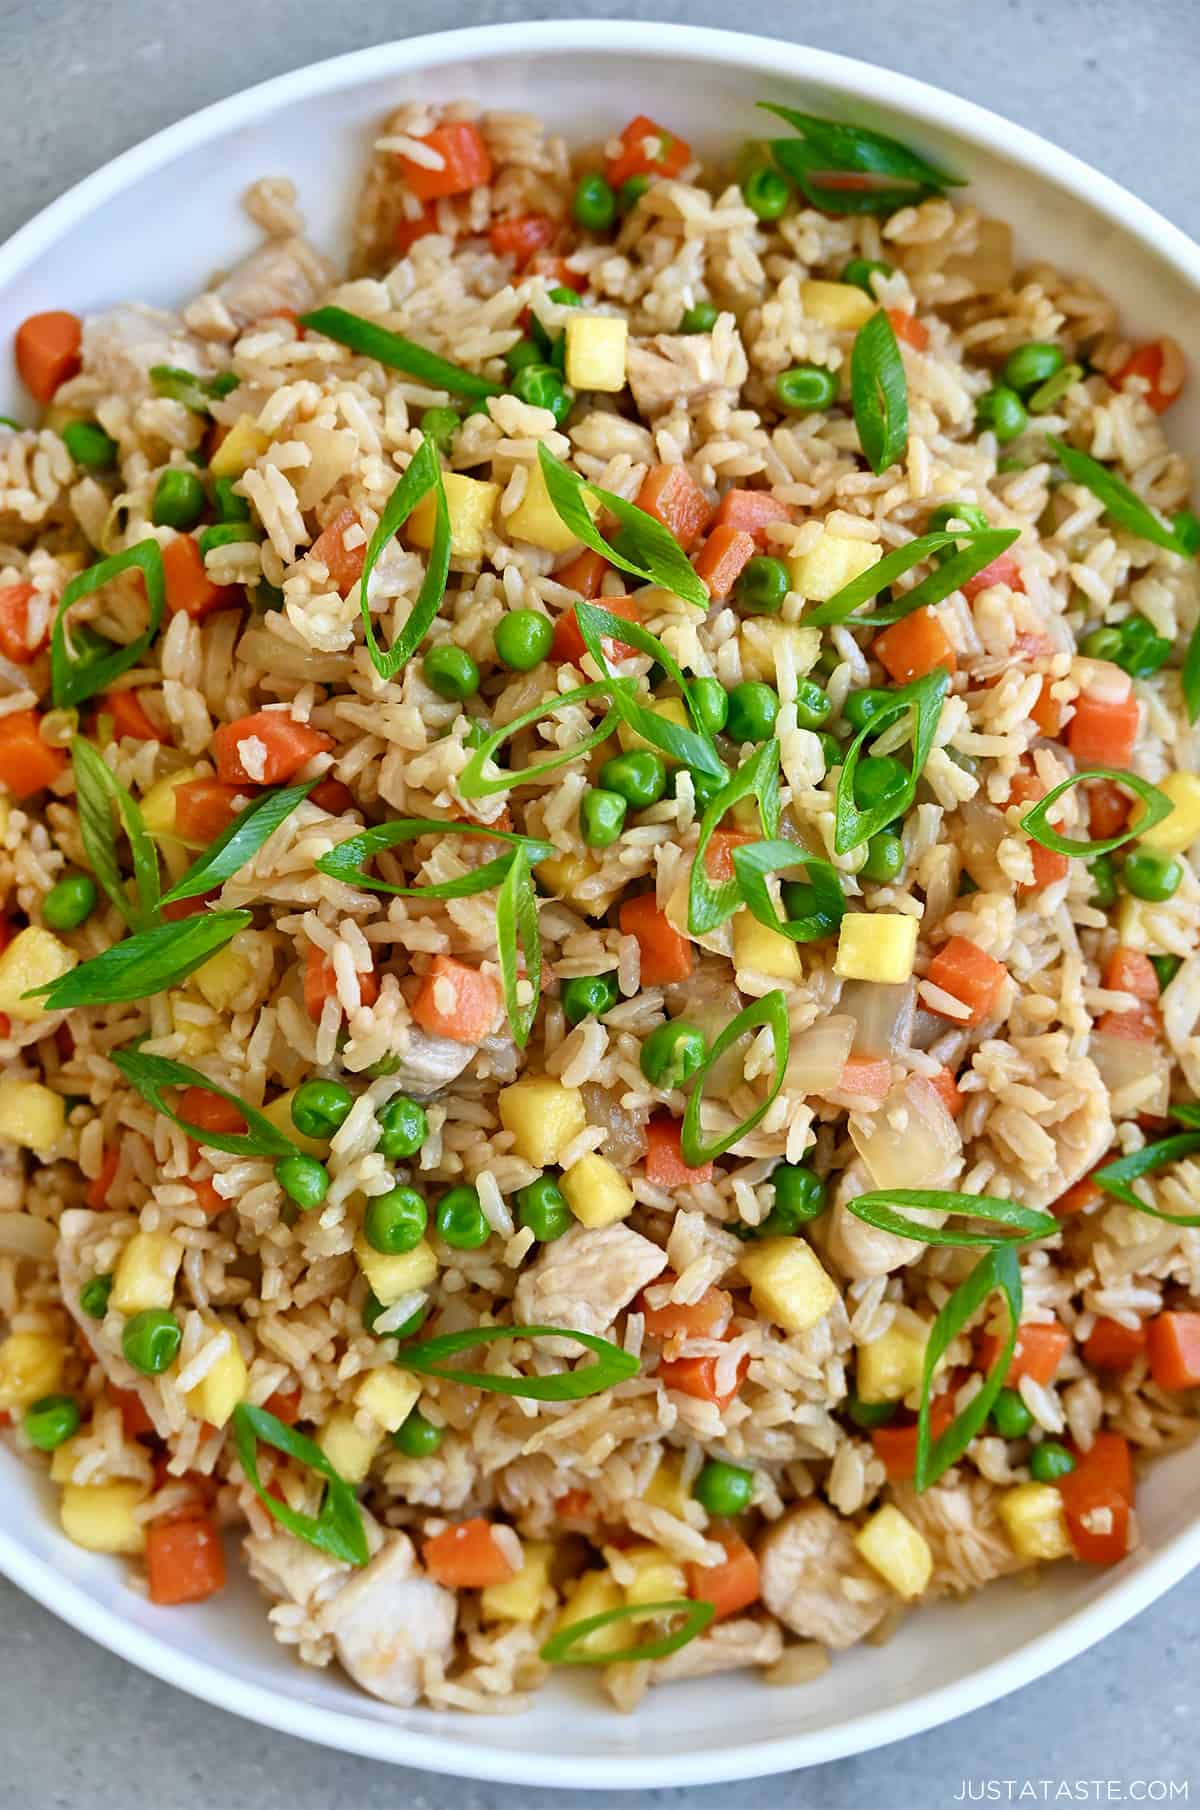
(897, 1550)
(756, 946)
(471, 503)
(279, 1111)
(391, 1277)
(659, 1578)
(31, 1115)
(595, 1192)
(595, 1593)
(876, 945)
(1136, 920)
(31, 1365)
(596, 351)
(389, 1396)
(543, 1117)
(100, 1516)
(349, 1450)
(523, 1596)
(64, 1459)
(893, 1365)
(158, 806)
(536, 520)
(671, 710)
(762, 645)
(194, 1039)
(787, 1282)
(145, 1272)
(841, 305)
(822, 572)
(222, 1387)
(1035, 1521)
(244, 443)
(33, 959)
(1178, 831)
(666, 1490)
(222, 977)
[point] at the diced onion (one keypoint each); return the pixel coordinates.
(625, 1132)
(818, 1055)
(910, 1142)
(883, 1015)
(23, 1236)
(982, 830)
(1137, 1075)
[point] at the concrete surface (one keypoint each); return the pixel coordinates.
(1113, 81)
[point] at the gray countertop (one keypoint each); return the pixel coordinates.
(1113, 81)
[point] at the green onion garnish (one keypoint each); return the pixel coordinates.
(879, 1210)
(338, 1529)
(845, 169)
(97, 790)
(653, 555)
(1157, 806)
(347, 862)
(370, 340)
(195, 393)
(757, 778)
(517, 936)
(693, 747)
(1001, 1270)
(982, 546)
(143, 964)
(879, 392)
(770, 1010)
(473, 782)
(753, 861)
(560, 1648)
(424, 473)
(1124, 505)
(236, 845)
(150, 1075)
(615, 1366)
(924, 698)
(1191, 676)
(73, 679)
(1117, 1177)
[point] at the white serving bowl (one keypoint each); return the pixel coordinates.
(152, 225)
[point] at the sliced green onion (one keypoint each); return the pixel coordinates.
(757, 778)
(517, 935)
(844, 169)
(999, 1270)
(1054, 389)
(473, 782)
(97, 790)
(1191, 676)
(195, 393)
(879, 393)
(753, 861)
(974, 548)
(655, 555)
(1124, 505)
(236, 845)
(770, 1010)
(423, 474)
(1157, 806)
(150, 1075)
(560, 1648)
(924, 698)
(338, 1528)
(347, 862)
(144, 964)
(692, 747)
(1117, 1177)
(370, 340)
(615, 1366)
(73, 679)
(878, 1210)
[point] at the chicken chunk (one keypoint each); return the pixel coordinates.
(290, 1570)
(387, 1619)
(429, 1063)
(585, 1278)
(283, 274)
(1045, 1152)
(815, 1582)
(684, 368)
(121, 345)
(725, 1648)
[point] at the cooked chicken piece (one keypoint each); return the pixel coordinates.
(682, 368)
(282, 274)
(430, 1062)
(387, 1619)
(1044, 1154)
(725, 1648)
(290, 1570)
(815, 1582)
(860, 1251)
(121, 345)
(585, 1278)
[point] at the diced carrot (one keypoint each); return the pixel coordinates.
(646, 149)
(15, 600)
(1108, 809)
(332, 796)
(286, 747)
(189, 587)
(1129, 971)
(185, 1561)
(672, 496)
(1079, 1197)
(207, 1199)
(1098, 1500)
(896, 1446)
(722, 558)
(344, 564)
(665, 1166)
(1103, 730)
(1161, 375)
(697, 1377)
(456, 1001)
(948, 1091)
(908, 328)
(467, 1556)
(706, 1318)
(1142, 1025)
(557, 273)
(320, 982)
(866, 1077)
(520, 235)
(1047, 711)
(205, 808)
(1173, 1341)
(1039, 1351)
(97, 1189)
(666, 955)
(573, 1505)
(913, 647)
(752, 511)
(718, 856)
(1111, 1346)
(968, 974)
(135, 1422)
(465, 162)
(5, 1025)
(1024, 787)
(284, 1404)
(568, 644)
(409, 231)
(210, 1111)
(27, 763)
(1003, 570)
(731, 1585)
(584, 573)
(129, 716)
(47, 349)
(1049, 866)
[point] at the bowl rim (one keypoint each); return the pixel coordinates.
(440, 1752)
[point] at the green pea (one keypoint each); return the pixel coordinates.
(878, 780)
(1049, 1461)
(861, 706)
(885, 858)
(1101, 644)
(50, 1421)
(672, 1053)
(588, 996)
(93, 1296)
(859, 271)
(319, 1107)
(639, 777)
(90, 446)
(631, 192)
(1104, 880)
(595, 203)
(1003, 411)
(831, 750)
(868, 1414)
(1010, 1417)
(522, 639)
(565, 297)
(395, 1222)
(806, 388)
(799, 1192)
(704, 787)
(403, 1128)
(710, 703)
(303, 1179)
(799, 898)
(230, 506)
(601, 817)
(1141, 651)
(542, 1210)
(522, 355)
(373, 1307)
(417, 1437)
(1186, 526)
(179, 500)
(1032, 364)
(1151, 877)
(828, 661)
(723, 1489)
(701, 317)
(225, 534)
(267, 596)
(460, 1220)
(70, 902)
(440, 424)
(150, 1340)
(542, 387)
(762, 585)
(812, 706)
(450, 671)
(766, 192)
(753, 708)
(1166, 967)
(970, 514)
